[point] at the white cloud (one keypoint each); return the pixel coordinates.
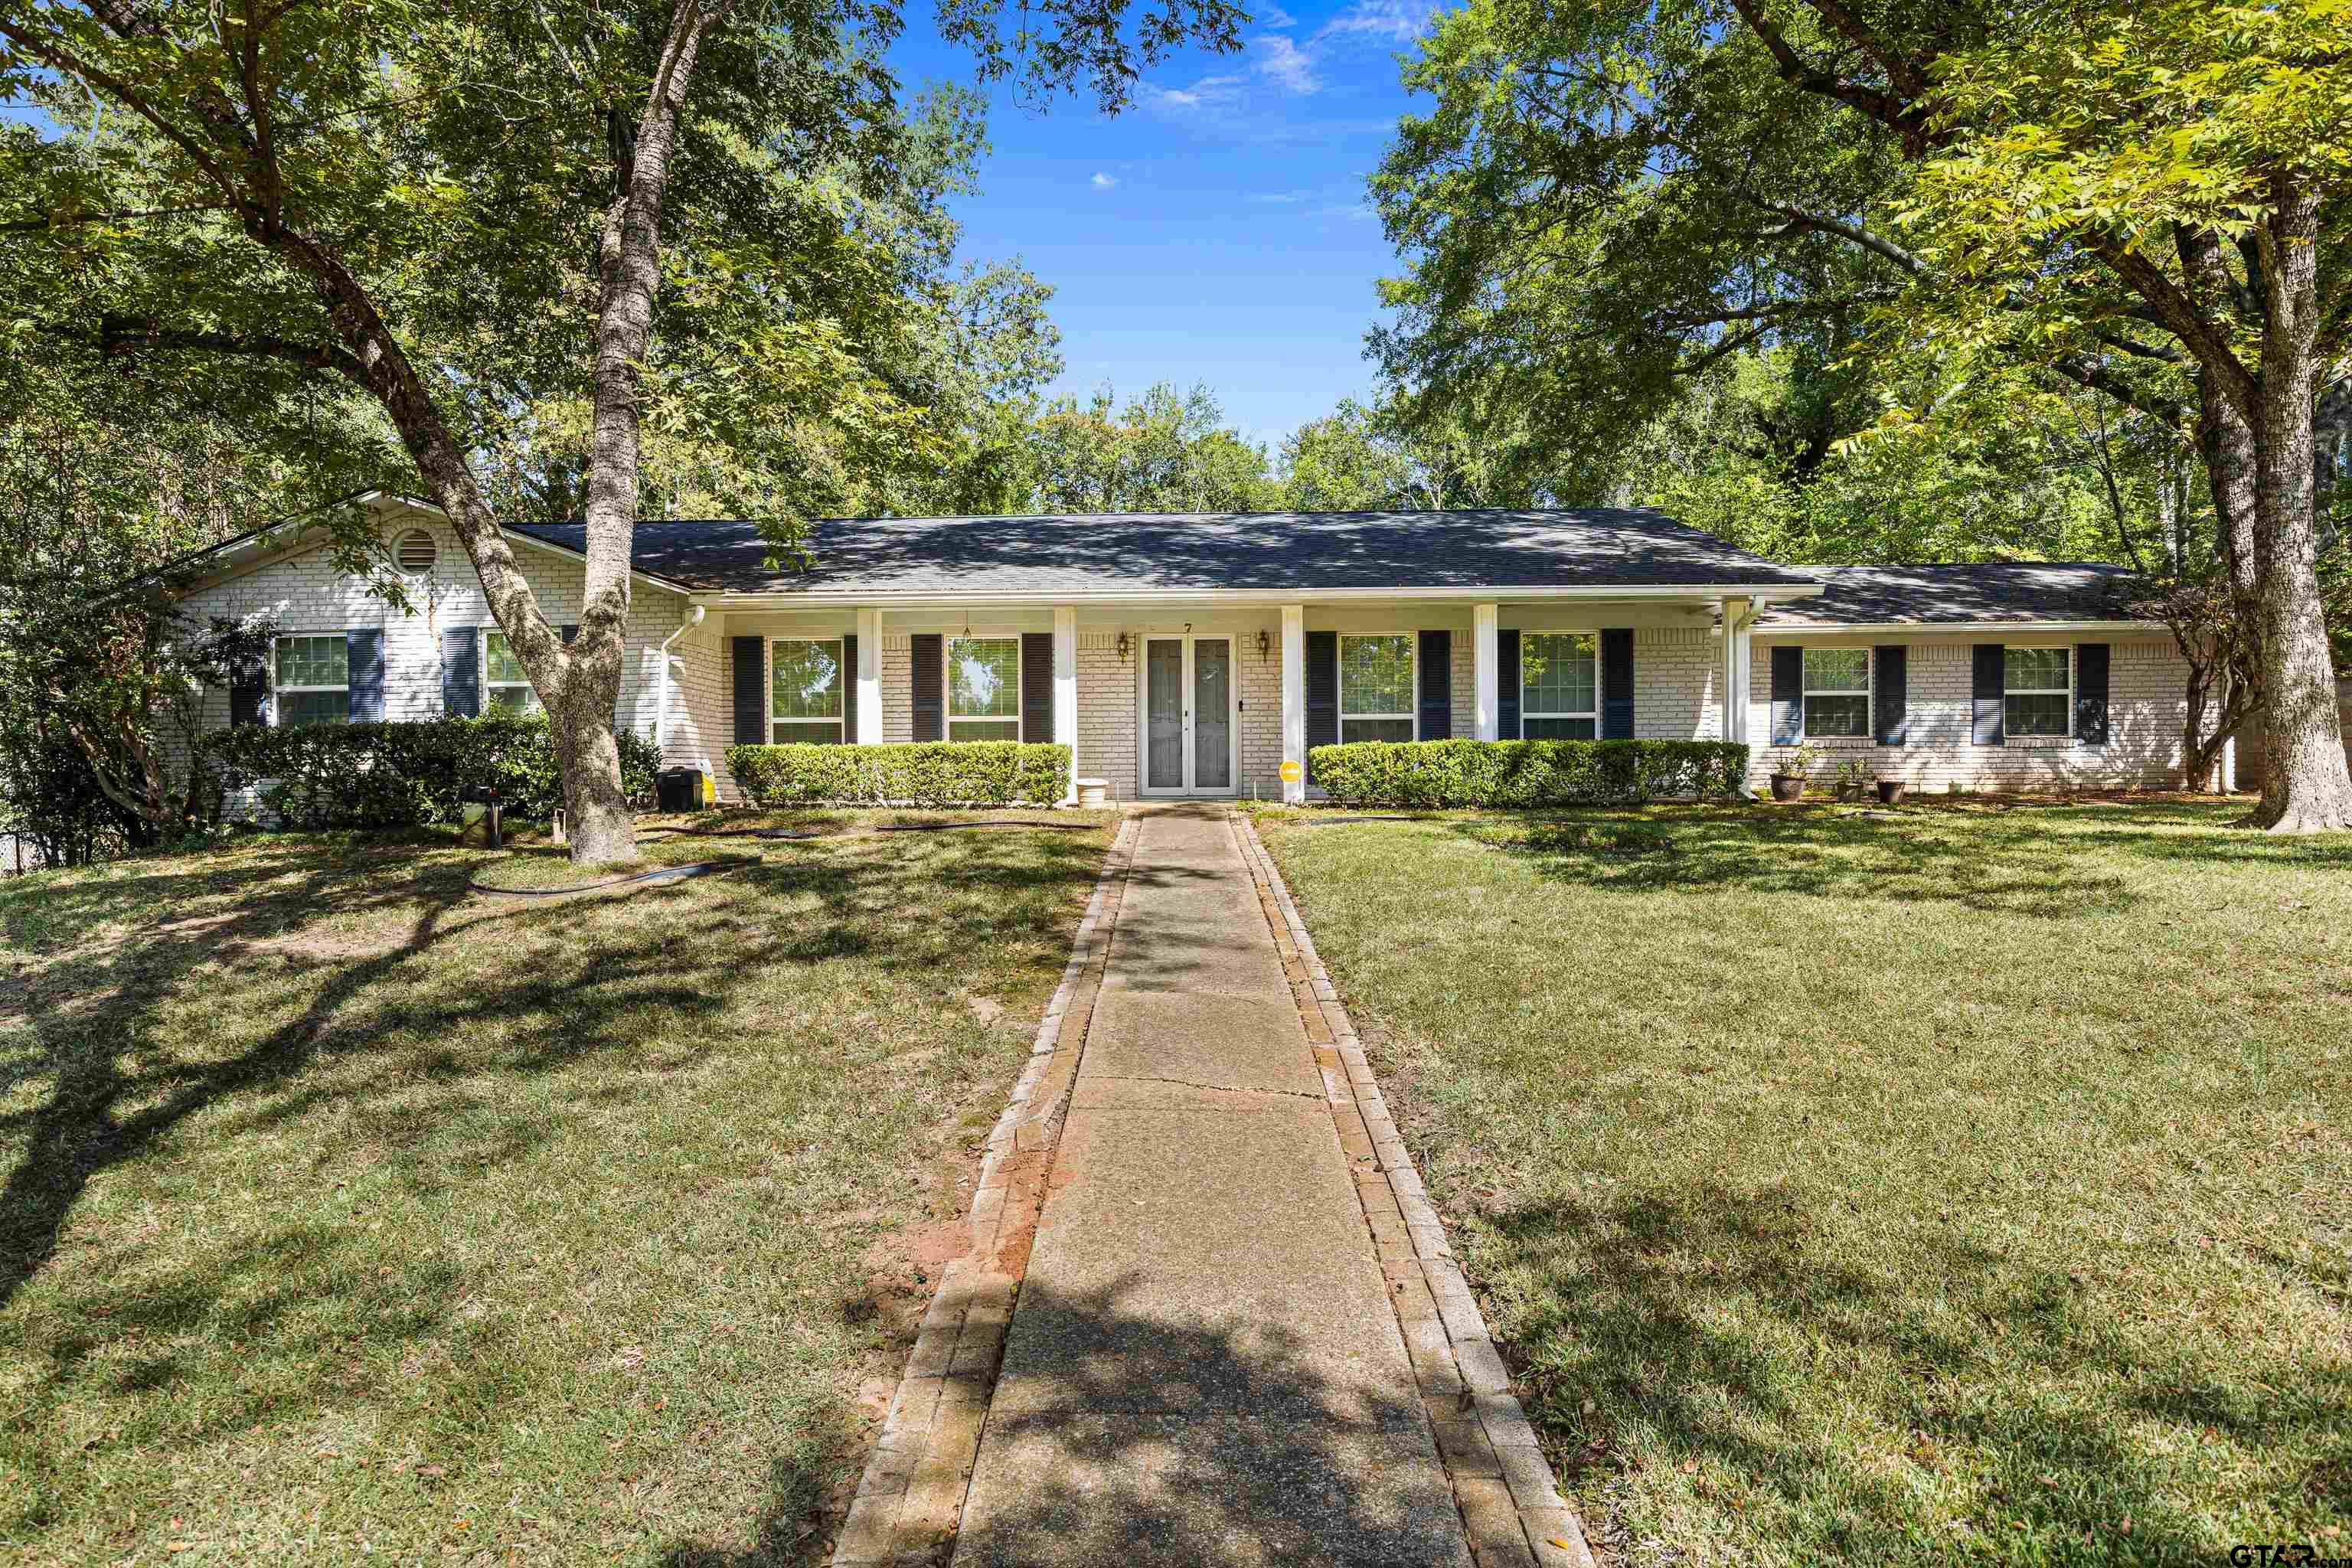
(1102, 181)
(1399, 21)
(1284, 62)
(1280, 198)
(1276, 16)
(1209, 90)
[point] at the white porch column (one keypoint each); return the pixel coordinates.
(1066, 690)
(1739, 668)
(1485, 677)
(1293, 701)
(869, 678)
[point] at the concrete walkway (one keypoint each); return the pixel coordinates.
(1204, 1365)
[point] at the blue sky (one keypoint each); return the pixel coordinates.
(1217, 231)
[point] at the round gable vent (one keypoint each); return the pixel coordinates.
(416, 551)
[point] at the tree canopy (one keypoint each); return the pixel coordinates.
(1927, 209)
(536, 229)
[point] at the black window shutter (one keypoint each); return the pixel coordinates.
(1617, 684)
(1037, 687)
(364, 661)
(569, 632)
(1891, 681)
(849, 690)
(751, 690)
(1436, 685)
(1322, 692)
(1989, 688)
(1788, 696)
(248, 691)
(2091, 693)
(461, 672)
(1507, 684)
(930, 678)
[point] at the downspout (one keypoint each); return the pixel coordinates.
(661, 703)
(1743, 689)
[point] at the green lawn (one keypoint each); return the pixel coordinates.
(1962, 1183)
(346, 1209)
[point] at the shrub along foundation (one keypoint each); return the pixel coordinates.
(1521, 774)
(408, 773)
(926, 773)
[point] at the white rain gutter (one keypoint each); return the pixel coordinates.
(661, 703)
(784, 601)
(1952, 628)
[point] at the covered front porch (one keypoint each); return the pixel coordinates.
(1207, 696)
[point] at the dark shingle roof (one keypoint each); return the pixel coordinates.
(1284, 552)
(2021, 591)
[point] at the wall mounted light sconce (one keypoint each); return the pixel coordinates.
(1122, 648)
(1264, 644)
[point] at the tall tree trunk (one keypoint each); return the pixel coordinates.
(2308, 787)
(2227, 444)
(579, 690)
(629, 273)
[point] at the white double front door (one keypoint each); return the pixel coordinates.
(1192, 737)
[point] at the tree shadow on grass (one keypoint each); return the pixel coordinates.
(786, 1533)
(1119, 1437)
(1762, 1361)
(2055, 862)
(315, 999)
(238, 1293)
(107, 1026)
(2002, 871)
(1837, 850)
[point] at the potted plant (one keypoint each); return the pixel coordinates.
(1788, 778)
(1852, 778)
(1891, 791)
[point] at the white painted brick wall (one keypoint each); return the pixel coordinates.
(1261, 691)
(1106, 714)
(1675, 683)
(305, 594)
(701, 719)
(1464, 693)
(2148, 683)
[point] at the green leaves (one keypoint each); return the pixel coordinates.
(1165, 451)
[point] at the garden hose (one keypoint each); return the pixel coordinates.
(660, 873)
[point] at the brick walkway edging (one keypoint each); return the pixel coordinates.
(1512, 1509)
(912, 1497)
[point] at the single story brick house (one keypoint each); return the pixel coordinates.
(1191, 655)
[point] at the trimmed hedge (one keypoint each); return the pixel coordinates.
(1526, 772)
(931, 772)
(412, 773)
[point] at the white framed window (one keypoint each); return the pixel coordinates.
(983, 689)
(1837, 692)
(1559, 686)
(504, 684)
(2038, 692)
(804, 690)
(310, 679)
(1376, 686)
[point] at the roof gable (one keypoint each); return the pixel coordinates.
(289, 539)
